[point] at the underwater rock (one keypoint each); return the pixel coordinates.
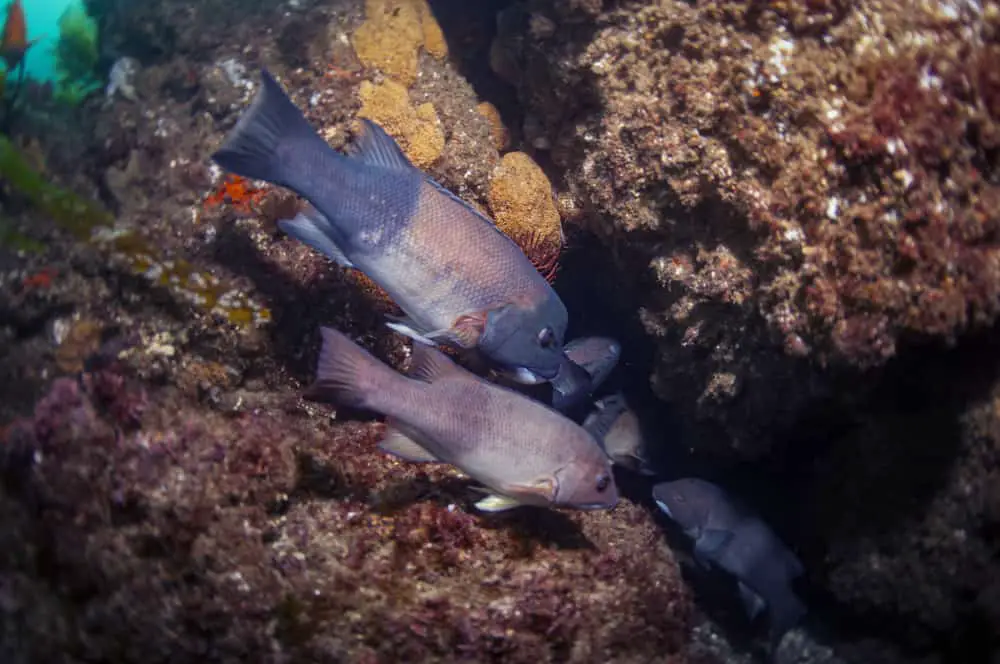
(393, 32)
(299, 523)
(852, 183)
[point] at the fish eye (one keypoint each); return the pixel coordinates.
(546, 337)
(603, 482)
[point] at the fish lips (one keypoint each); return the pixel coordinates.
(528, 377)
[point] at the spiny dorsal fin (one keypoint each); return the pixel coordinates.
(377, 148)
(429, 364)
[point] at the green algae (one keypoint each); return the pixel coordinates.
(89, 222)
(76, 56)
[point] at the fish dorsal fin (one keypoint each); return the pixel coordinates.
(399, 444)
(429, 364)
(377, 148)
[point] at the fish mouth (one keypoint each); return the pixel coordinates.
(593, 507)
(529, 377)
(663, 506)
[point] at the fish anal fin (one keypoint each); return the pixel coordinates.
(310, 227)
(752, 602)
(403, 446)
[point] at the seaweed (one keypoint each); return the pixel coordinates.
(76, 54)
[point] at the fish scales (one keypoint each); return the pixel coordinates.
(481, 426)
(437, 265)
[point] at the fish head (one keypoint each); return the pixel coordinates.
(688, 502)
(587, 483)
(526, 340)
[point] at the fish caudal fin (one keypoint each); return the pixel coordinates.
(348, 375)
(272, 141)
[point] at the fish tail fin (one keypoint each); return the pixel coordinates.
(272, 141)
(348, 375)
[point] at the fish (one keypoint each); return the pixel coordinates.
(593, 359)
(14, 43)
(459, 280)
(617, 428)
(728, 536)
(520, 450)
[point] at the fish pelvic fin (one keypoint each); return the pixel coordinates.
(272, 141)
(428, 364)
(310, 227)
(497, 503)
(347, 374)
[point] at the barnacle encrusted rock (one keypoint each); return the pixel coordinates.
(391, 37)
(521, 200)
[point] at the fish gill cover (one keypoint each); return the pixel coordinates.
(784, 212)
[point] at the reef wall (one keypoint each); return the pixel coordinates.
(794, 205)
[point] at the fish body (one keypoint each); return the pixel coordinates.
(618, 430)
(14, 43)
(729, 537)
(521, 450)
(457, 277)
(593, 359)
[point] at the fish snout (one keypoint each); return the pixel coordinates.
(586, 486)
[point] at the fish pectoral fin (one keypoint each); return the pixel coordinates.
(399, 444)
(497, 503)
(752, 602)
(520, 494)
(428, 364)
(377, 148)
(467, 329)
(544, 488)
(310, 227)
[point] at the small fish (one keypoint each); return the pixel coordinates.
(457, 277)
(597, 357)
(523, 452)
(727, 535)
(14, 43)
(617, 428)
